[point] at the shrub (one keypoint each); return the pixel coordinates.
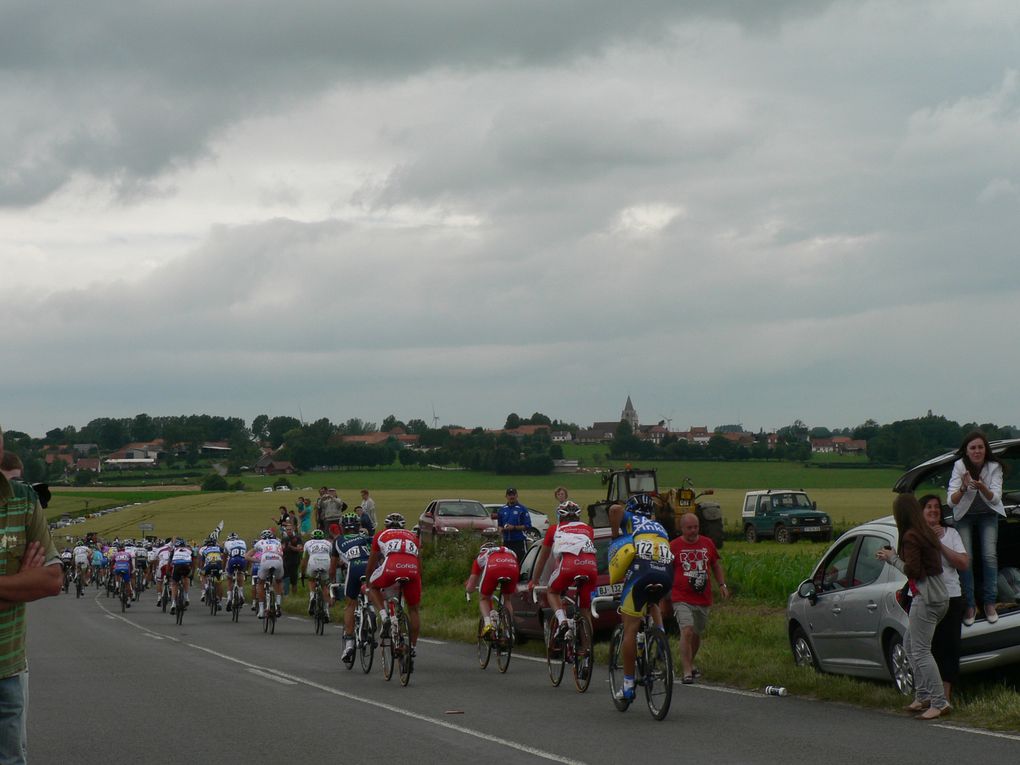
(281, 481)
(214, 482)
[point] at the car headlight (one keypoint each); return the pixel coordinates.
(825, 520)
(490, 532)
(793, 521)
(449, 530)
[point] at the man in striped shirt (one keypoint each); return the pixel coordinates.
(29, 570)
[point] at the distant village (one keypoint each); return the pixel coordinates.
(149, 454)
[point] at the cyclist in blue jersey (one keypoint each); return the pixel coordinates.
(350, 554)
(639, 557)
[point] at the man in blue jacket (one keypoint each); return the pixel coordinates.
(514, 520)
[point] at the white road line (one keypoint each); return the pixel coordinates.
(991, 733)
(527, 658)
(150, 635)
(271, 676)
(431, 642)
(720, 689)
(295, 619)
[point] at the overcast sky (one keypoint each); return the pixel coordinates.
(734, 211)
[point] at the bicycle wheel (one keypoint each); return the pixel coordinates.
(180, 604)
(320, 614)
(405, 661)
(616, 668)
(504, 640)
(387, 654)
(123, 599)
(554, 654)
(484, 647)
(366, 639)
(583, 655)
(166, 597)
(210, 599)
(271, 612)
(658, 674)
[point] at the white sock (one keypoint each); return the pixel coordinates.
(561, 615)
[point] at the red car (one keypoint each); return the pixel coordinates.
(530, 619)
(449, 517)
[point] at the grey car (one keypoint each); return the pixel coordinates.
(846, 619)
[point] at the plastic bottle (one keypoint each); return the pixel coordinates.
(775, 690)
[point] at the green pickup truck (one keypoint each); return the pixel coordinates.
(785, 515)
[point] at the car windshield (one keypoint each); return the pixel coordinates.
(642, 483)
(462, 510)
(792, 502)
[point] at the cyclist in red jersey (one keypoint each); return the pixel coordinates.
(572, 547)
(492, 564)
(395, 556)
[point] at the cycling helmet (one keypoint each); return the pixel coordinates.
(318, 534)
(179, 542)
(490, 545)
(121, 545)
(350, 522)
(568, 509)
(395, 521)
(232, 536)
(148, 545)
(641, 504)
(266, 534)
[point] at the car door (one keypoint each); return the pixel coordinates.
(526, 611)
(825, 623)
(427, 521)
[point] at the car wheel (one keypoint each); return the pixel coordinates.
(803, 653)
(783, 535)
(533, 535)
(899, 665)
(750, 534)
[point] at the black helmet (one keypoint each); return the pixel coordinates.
(641, 504)
(350, 522)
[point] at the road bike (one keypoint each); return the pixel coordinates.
(139, 583)
(576, 647)
(68, 578)
(210, 594)
(79, 583)
(502, 636)
(364, 632)
(236, 597)
(653, 666)
(396, 641)
(269, 598)
(164, 598)
(123, 592)
(320, 611)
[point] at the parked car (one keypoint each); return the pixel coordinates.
(447, 517)
(539, 522)
(846, 619)
(784, 515)
(530, 618)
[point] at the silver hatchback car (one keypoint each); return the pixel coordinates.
(846, 619)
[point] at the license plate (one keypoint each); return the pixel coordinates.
(609, 589)
(811, 528)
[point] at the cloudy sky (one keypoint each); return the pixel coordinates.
(733, 211)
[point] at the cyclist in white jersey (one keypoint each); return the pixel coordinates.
(317, 561)
(271, 551)
(151, 556)
(182, 561)
(82, 562)
(163, 555)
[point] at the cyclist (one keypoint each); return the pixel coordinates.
(493, 562)
(395, 555)
(255, 556)
(271, 552)
(350, 553)
(98, 562)
(180, 574)
(123, 566)
(236, 564)
(571, 544)
(639, 557)
(141, 558)
(316, 561)
(164, 568)
(150, 563)
(211, 557)
(82, 558)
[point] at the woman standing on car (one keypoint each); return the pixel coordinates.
(975, 494)
(945, 644)
(919, 556)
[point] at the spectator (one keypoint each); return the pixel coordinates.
(513, 520)
(561, 495)
(368, 505)
(694, 556)
(304, 514)
(945, 643)
(284, 518)
(975, 494)
(366, 521)
(293, 548)
(330, 509)
(29, 570)
(919, 556)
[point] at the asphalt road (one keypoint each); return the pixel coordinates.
(139, 686)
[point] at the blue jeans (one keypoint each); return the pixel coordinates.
(987, 526)
(13, 716)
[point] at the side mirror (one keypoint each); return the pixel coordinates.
(494, 515)
(808, 590)
(814, 505)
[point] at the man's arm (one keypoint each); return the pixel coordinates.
(33, 580)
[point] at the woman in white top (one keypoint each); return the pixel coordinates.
(945, 643)
(975, 494)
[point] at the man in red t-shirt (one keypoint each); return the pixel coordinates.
(693, 557)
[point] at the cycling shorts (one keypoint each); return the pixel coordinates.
(316, 567)
(496, 570)
(214, 569)
(236, 564)
(270, 564)
(576, 565)
(397, 566)
(123, 574)
(352, 579)
(635, 599)
(180, 571)
(621, 555)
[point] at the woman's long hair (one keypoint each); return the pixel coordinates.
(974, 470)
(908, 515)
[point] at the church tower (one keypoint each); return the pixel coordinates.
(629, 415)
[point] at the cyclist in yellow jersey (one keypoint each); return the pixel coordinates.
(639, 557)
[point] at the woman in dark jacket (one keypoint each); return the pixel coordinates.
(919, 556)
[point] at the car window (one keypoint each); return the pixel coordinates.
(529, 563)
(602, 554)
(834, 573)
(462, 510)
(868, 568)
(749, 505)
